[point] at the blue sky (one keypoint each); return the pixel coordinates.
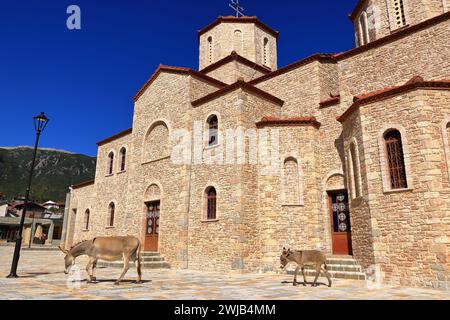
(85, 79)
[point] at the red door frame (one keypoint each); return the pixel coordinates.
(151, 242)
(341, 242)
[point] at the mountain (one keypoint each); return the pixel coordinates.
(55, 172)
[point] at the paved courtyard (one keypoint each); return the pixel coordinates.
(42, 277)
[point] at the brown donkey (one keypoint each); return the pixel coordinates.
(302, 258)
(107, 249)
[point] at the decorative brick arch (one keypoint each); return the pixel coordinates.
(383, 161)
(156, 143)
(335, 181)
(153, 192)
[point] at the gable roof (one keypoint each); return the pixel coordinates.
(83, 184)
(177, 70)
(416, 82)
(240, 84)
(234, 56)
(284, 121)
(115, 137)
(255, 20)
(321, 57)
(334, 58)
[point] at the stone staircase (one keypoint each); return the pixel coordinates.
(340, 267)
(150, 260)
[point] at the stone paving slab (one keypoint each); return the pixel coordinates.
(42, 277)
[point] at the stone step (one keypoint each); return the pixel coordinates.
(153, 259)
(341, 261)
(150, 254)
(145, 265)
(334, 275)
(339, 267)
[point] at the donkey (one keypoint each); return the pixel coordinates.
(107, 249)
(302, 258)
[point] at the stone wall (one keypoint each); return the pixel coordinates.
(410, 235)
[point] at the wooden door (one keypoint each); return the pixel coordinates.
(152, 226)
(340, 223)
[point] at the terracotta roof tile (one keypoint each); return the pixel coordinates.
(254, 20)
(240, 84)
(177, 70)
(416, 82)
(235, 57)
(288, 121)
(83, 184)
(115, 137)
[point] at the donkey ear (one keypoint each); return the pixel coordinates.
(63, 249)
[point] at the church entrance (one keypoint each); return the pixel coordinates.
(152, 226)
(340, 223)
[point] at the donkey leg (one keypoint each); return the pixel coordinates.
(295, 276)
(139, 272)
(126, 266)
(327, 274)
(304, 276)
(94, 266)
(318, 270)
(89, 269)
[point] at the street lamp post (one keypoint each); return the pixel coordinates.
(40, 122)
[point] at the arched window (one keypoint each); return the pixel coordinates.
(291, 182)
(111, 163)
(237, 41)
(399, 15)
(111, 214)
(355, 171)
(210, 49)
(395, 160)
(123, 159)
(266, 51)
(87, 216)
(213, 130)
(211, 203)
(363, 29)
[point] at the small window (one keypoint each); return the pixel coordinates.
(266, 52)
(111, 214)
(398, 8)
(110, 163)
(210, 49)
(211, 204)
(213, 130)
(87, 216)
(123, 159)
(395, 160)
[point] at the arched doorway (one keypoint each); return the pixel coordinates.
(152, 218)
(339, 211)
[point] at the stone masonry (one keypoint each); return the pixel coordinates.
(322, 119)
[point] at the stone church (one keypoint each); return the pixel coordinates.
(356, 159)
